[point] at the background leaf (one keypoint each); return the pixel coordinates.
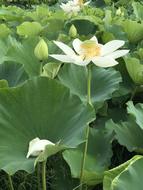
(104, 82)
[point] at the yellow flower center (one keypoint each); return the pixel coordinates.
(90, 49)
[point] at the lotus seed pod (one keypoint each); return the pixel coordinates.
(72, 31)
(41, 50)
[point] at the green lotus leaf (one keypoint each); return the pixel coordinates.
(136, 111)
(135, 69)
(129, 134)
(11, 13)
(4, 46)
(80, 21)
(138, 10)
(39, 14)
(131, 178)
(39, 108)
(51, 70)
(97, 159)
(134, 30)
(54, 26)
(112, 176)
(4, 31)
(13, 73)
(29, 29)
(23, 53)
(104, 82)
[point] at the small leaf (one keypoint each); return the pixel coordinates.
(138, 10)
(51, 70)
(137, 112)
(29, 29)
(135, 70)
(134, 30)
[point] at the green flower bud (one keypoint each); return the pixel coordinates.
(72, 31)
(118, 12)
(135, 70)
(41, 50)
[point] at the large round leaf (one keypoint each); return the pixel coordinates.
(97, 160)
(103, 83)
(40, 108)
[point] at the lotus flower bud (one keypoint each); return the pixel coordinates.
(41, 50)
(72, 31)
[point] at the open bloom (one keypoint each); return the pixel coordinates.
(90, 50)
(36, 146)
(73, 6)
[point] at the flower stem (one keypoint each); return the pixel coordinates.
(10, 183)
(44, 175)
(87, 129)
(41, 67)
(38, 176)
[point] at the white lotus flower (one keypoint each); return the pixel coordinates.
(36, 146)
(73, 6)
(90, 50)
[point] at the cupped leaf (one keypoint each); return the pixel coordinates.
(103, 83)
(137, 112)
(135, 69)
(134, 30)
(40, 108)
(51, 69)
(29, 29)
(97, 160)
(138, 10)
(112, 177)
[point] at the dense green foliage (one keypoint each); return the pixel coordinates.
(48, 99)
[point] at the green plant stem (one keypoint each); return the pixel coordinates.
(44, 175)
(10, 183)
(38, 175)
(87, 129)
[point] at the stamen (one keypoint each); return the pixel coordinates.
(90, 49)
